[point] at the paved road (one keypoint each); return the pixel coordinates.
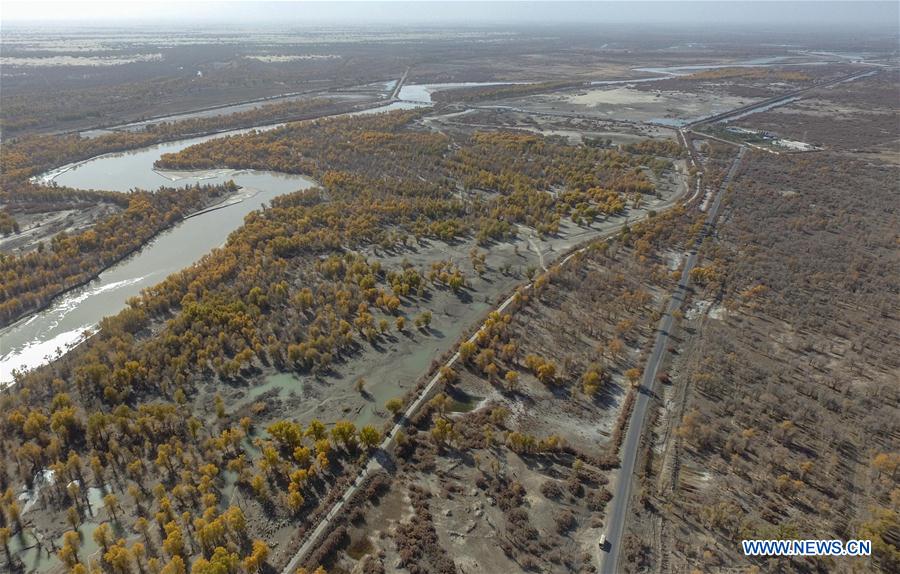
(622, 494)
(395, 94)
(387, 445)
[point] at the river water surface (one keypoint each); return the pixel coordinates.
(39, 338)
(33, 340)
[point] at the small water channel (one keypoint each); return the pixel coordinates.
(421, 93)
(757, 63)
(34, 552)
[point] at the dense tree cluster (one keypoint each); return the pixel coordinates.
(516, 169)
(288, 290)
(30, 281)
(27, 156)
(8, 223)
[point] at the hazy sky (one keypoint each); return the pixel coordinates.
(732, 12)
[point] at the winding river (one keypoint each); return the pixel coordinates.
(32, 341)
(37, 339)
(47, 334)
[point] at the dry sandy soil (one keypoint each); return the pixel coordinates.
(629, 104)
(34, 228)
(575, 130)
